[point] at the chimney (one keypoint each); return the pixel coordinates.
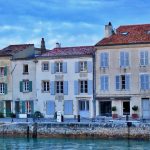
(43, 49)
(108, 30)
(58, 45)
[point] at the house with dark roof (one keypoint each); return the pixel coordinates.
(64, 81)
(123, 71)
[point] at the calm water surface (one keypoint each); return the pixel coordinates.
(71, 144)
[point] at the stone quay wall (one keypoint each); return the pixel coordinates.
(76, 130)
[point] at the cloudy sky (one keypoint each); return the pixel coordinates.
(70, 22)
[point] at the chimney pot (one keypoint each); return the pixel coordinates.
(58, 45)
(108, 30)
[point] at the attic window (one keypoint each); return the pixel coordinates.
(148, 32)
(124, 33)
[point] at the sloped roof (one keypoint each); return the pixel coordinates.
(128, 34)
(69, 51)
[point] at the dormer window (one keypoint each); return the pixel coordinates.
(148, 32)
(124, 33)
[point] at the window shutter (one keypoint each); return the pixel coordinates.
(64, 67)
(65, 87)
(90, 87)
(101, 60)
(31, 103)
(126, 59)
(89, 66)
(76, 67)
(76, 87)
(1, 106)
(146, 81)
(68, 107)
(127, 82)
(5, 71)
(21, 86)
(50, 107)
(121, 59)
(30, 86)
(117, 82)
(146, 58)
(23, 107)
(106, 60)
(106, 83)
(52, 68)
(5, 88)
(142, 82)
(52, 88)
(102, 82)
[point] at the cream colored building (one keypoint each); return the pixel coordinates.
(123, 71)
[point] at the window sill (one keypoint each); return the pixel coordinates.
(45, 91)
(25, 73)
(25, 91)
(84, 71)
(2, 93)
(45, 70)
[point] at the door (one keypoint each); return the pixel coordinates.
(145, 108)
(105, 108)
(8, 108)
(84, 108)
(17, 107)
(126, 108)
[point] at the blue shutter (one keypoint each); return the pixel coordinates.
(106, 83)
(50, 107)
(90, 87)
(122, 59)
(76, 67)
(65, 87)
(64, 67)
(5, 71)
(126, 59)
(31, 103)
(5, 88)
(21, 86)
(68, 107)
(89, 66)
(146, 58)
(117, 82)
(146, 81)
(142, 82)
(30, 86)
(101, 60)
(106, 59)
(76, 87)
(102, 82)
(52, 88)
(52, 68)
(127, 82)
(23, 107)
(141, 58)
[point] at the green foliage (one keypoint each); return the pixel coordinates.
(12, 115)
(1, 115)
(135, 108)
(38, 114)
(114, 108)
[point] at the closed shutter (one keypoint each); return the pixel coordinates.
(89, 66)
(90, 87)
(65, 87)
(102, 83)
(127, 82)
(106, 83)
(117, 82)
(122, 59)
(68, 107)
(23, 107)
(146, 58)
(76, 87)
(5, 88)
(76, 67)
(5, 71)
(31, 103)
(50, 107)
(21, 86)
(30, 86)
(52, 88)
(52, 68)
(64, 67)
(126, 59)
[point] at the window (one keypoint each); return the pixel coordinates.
(2, 86)
(59, 87)
(25, 69)
(83, 87)
(144, 81)
(1, 71)
(45, 66)
(104, 60)
(144, 58)
(26, 86)
(124, 59)
(104, 83)
(45, 86)
(59, 67)
(83, 66)
(123, 82)
(83, 105)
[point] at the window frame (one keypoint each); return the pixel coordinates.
(83, 66)
(2, 73)
(45, 69)
(59, 67)
(45, 86)
(125, 62)
(24, 69)
(59, 86)
(2, 88)
(26, 88)
(144, 59)
(104, 80)
(83, 86)
(104, 59)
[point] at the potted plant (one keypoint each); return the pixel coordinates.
(135, 109)
(114, 109)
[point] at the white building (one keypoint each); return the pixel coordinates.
(64, 81)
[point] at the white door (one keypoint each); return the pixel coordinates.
(146, 108)
(84, 108)
(59, 106)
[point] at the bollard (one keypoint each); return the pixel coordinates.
(78, 118)
(34, 134)
(62, 118)
(127, 117)
(28, 132)
(129, 124)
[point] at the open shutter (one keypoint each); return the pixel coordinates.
(101, 60)
(23, 107)
(64, 67)
(117, 83)
(90, 67)
(30, 86)
(65, 87)
(146, 58)
(90, 87)
(121, 59)
(50, 107)
(127, 82)
(106, 60)
(52, 88)
(5, 88)
(52, 68)
(102, 83)
(142, 82)
(76, 87)
(5, 71)
(68, 107)
(76, 67)
(106, 83)
(21, 86)
(31, 103)
(147, 81)
(126, 59)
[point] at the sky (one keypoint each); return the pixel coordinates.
(69, 22)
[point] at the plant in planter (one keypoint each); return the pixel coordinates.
(135, 109)
(114, 109)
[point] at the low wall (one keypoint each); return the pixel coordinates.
(76, 130)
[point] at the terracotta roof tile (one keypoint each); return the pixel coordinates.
(128, 34)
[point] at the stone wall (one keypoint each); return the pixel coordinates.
(77, 130)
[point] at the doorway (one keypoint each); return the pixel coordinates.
(8, 108)
(126, 107)
(84, 108)
(145, 108)
(105, 108)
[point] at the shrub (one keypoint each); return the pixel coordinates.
(38, 114)
(12, 115)
(135, 108)
(114, 108)
(1, 115)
